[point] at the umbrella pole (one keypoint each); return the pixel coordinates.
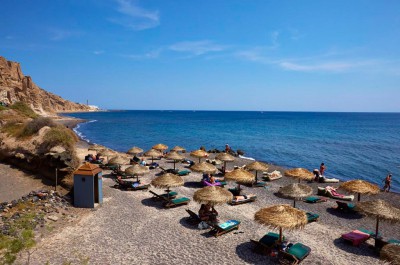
(224, 167)
(280, 234)
(256, 176)
(199, 159)
(294, 203)
(377, 227)
(359, 196)
(152, 159)
(174, 165)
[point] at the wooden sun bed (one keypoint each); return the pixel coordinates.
(169, 203)
(247, 200)
(267, 243)
(223, 228)
(295, 254)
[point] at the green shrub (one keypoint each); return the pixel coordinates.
(2, 108)
(33, 126)
(59, 136)
(23, 109)
(13, 128)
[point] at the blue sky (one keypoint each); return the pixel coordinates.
(210, 55)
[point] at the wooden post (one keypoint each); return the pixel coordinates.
(56, 179)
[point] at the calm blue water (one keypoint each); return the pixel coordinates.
(352, 145)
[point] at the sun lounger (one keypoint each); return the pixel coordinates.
(295, 254)
(171, 195)
(168, 203)
(108, 166)
(246, 199)
(312, 217)
(260, 184)
(315, 199)
(223, 228)
(356, 237)
(127, 185)
(235, 191)
(169, 170)
(332, 193)
(266, 243)
(272, 176)
(328, 180)
(217, 183)
(345, 207)
(194, 218)
(184, 172)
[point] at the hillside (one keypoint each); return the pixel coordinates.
(15, 86)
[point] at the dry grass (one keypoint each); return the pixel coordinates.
(59, 136)
(13, 128)
(24, 110)
(32, 127)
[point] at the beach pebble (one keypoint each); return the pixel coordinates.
(52, 218)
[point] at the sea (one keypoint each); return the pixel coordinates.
(352, 145)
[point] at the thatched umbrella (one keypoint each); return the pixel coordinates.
(106, 152)
(199, 154)
(379, 209)
(117, 160)
(240, 176)
(257, 166)
(282, 216)
(160, 147)
(96, 147)
(153, 153)
(167, 181)
(300, 174)
(178, 149)
(295, 191)
(226, 158)
(391, 254)
(212, 195)
(174, 156)
(135, 150)
(137, 170)
(360, 187)
(204, 167)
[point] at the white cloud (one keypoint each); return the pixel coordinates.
(135, 17)
(274, 36)
(197, 48)
(61, 34)
(154, 54)
(98, 52)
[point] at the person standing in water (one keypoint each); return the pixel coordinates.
(388, 181)
(322, 169)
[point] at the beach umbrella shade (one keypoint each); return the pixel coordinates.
(391, 254)
(178, 149)
(137, 170)
(135, 150)
(167, 181)
(360, 187)
(199, 154)
(281, 216)
(106, 152)
(160, 147)
(240, 176)
(257, 166)
(153, 153)
(225, 157)
(204, 167)
(117, 160)
(96, 147)
(212, 195)
(299, 173)
(295, 191)
(379, 209)
(174, 156)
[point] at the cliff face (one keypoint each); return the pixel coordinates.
(14, 86)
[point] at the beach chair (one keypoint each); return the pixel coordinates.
(267, 243)
(272, 176)
(259, 184)
(108, 166)
(312, 217)
(194, 218)
(160, 197)
(223, 228)
(169, 203)
(345, 207)
(295, 254)
(127, 185)
(356, 237)
(246, 199)
(314, 199)
(380, 242)
(235, 191)
(332, 193)
(169, 170)
(184, 172)
(217, 183)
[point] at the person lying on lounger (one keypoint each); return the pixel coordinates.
(243, 197)
(207, 213)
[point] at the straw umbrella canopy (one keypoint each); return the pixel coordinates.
(226, 158)
(167, 181)
(106, 152)
(300, 174)
(135, 150)
(160, 147)
(240, 176)
(257, 166)
(212, 195)
(117, 160)
(137, 170)
(174, 156)
(178, 149)
(199, 154)
(360, 187)
(380, 209)
(204, 167)
(295, 191)
(282, 216)
(391, 253)
(153, 153)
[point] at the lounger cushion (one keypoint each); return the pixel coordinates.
(394, 241)
(229, 224)
(260, 184)
(269, 239)
(356, 237)
(299, 250)
(171, 193)
(184, 172)
(312, 217)
(314, 199)
(180, 200)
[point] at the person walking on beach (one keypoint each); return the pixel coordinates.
(387, 180)
(322, 169)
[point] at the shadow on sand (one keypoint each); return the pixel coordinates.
(344, 215)
(150, 202)
(364, 249)
(245, 251)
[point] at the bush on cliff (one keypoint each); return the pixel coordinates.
(33, 126)
(59, 136)
(13, 128)
(24, 109)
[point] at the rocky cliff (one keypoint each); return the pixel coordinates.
(14, 86)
